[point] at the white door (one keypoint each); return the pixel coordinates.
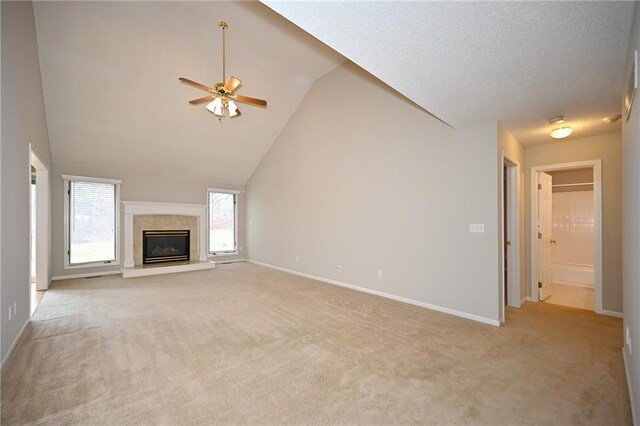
(545, 225)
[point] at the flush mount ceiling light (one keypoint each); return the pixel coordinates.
(222, 101)
(559, 132)
(612, 119)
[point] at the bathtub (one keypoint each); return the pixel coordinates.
(575, 274)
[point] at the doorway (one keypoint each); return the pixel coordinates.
(509, 237)
(566, 234)
(39, 230)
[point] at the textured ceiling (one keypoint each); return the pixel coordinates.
(470, 63)
(110, 79)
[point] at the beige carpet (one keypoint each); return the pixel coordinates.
(243, 344)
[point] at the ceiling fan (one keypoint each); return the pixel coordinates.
(222, 97)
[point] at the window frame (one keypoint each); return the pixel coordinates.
(236, 200)
(67, 179)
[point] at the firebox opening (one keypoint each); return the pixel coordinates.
(165, 246)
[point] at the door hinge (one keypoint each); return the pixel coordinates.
(539, 186)
(539, 235)
(539, 284)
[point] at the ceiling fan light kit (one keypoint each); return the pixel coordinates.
(222, 100)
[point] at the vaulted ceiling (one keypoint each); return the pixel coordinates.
(470, 63)
(112, 96)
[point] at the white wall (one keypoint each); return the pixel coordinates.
(362, 178)
(134, 187)
(608, 149)
(631, 240)
(23, 122)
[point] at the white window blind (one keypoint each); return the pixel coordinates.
(92, 222)
(222, 222)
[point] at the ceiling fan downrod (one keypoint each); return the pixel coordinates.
(223, 26)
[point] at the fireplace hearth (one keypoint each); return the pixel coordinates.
(165, 246)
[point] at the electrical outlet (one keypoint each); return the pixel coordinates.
(379, 273)
(10, 307)
(628, 339)
(339, 268)
(14, 308)
(297, 258)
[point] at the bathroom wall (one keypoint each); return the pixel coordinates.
(572, 177)
(573, 228)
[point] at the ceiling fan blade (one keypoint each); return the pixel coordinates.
(250, 100)
(232, 84)
(196, 84)
(201, 100)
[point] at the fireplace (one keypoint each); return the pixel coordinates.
(165, 246)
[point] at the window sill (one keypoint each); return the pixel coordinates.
(92, 265)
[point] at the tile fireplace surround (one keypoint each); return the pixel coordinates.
(140, 208)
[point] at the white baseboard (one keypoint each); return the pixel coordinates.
(591, 286)
(87, 275)
(524, 299)
(530, 299)
(466, 315)
(610, 313)
(229, 261)
(13, 345)
(634, 418)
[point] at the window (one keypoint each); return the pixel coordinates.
(223, 214)
(91, 221)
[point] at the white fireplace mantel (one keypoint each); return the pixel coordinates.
(137, 208)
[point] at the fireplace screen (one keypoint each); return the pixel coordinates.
(165, 246)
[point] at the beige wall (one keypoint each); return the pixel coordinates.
(573, 176)
(631, 224)
(135, 187)
(23, 122)
(514, 152)
(608, 149)
(362, 178)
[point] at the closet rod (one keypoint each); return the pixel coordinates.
(572, 184)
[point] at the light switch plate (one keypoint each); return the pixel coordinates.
(476, 228)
